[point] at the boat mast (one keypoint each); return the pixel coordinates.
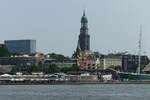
(140, 50)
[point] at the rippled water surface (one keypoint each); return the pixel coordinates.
(75, 92)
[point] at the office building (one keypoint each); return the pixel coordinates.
(21, 46)
(130, 62)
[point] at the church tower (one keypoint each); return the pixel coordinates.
(84, 37)
(85, 57)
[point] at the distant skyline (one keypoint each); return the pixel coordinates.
(114, 25)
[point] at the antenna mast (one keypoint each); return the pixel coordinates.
(140, 50)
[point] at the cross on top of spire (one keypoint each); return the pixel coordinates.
(84, 19)
(84, 12)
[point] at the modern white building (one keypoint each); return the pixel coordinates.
(112, 62)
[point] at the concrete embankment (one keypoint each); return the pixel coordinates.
(70, 83)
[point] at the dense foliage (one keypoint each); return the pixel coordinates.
(58, 57)
(4, 52)
(53, 68)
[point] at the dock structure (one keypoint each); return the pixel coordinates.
(45, 79)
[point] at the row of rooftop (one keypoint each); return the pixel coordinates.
(125, 63)
(24, 55)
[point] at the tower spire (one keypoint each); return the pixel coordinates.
(83, 12)
(84, 21)
(84, 37)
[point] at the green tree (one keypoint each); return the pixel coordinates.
(65, 69)
(97, 54)
(4, 52)
(74, 68)
(35, 68)
(53, 68)
(58, 57)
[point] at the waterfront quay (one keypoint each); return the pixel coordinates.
(57, 78)
(60, 79)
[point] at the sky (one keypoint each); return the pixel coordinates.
(114, 25)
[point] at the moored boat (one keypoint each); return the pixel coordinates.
(133, 76)
(136, 76)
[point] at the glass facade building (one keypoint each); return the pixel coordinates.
(21, 46)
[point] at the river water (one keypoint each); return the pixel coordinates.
(75, 92)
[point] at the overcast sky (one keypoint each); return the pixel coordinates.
(55, 24)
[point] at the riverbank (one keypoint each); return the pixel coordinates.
(71, 83)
